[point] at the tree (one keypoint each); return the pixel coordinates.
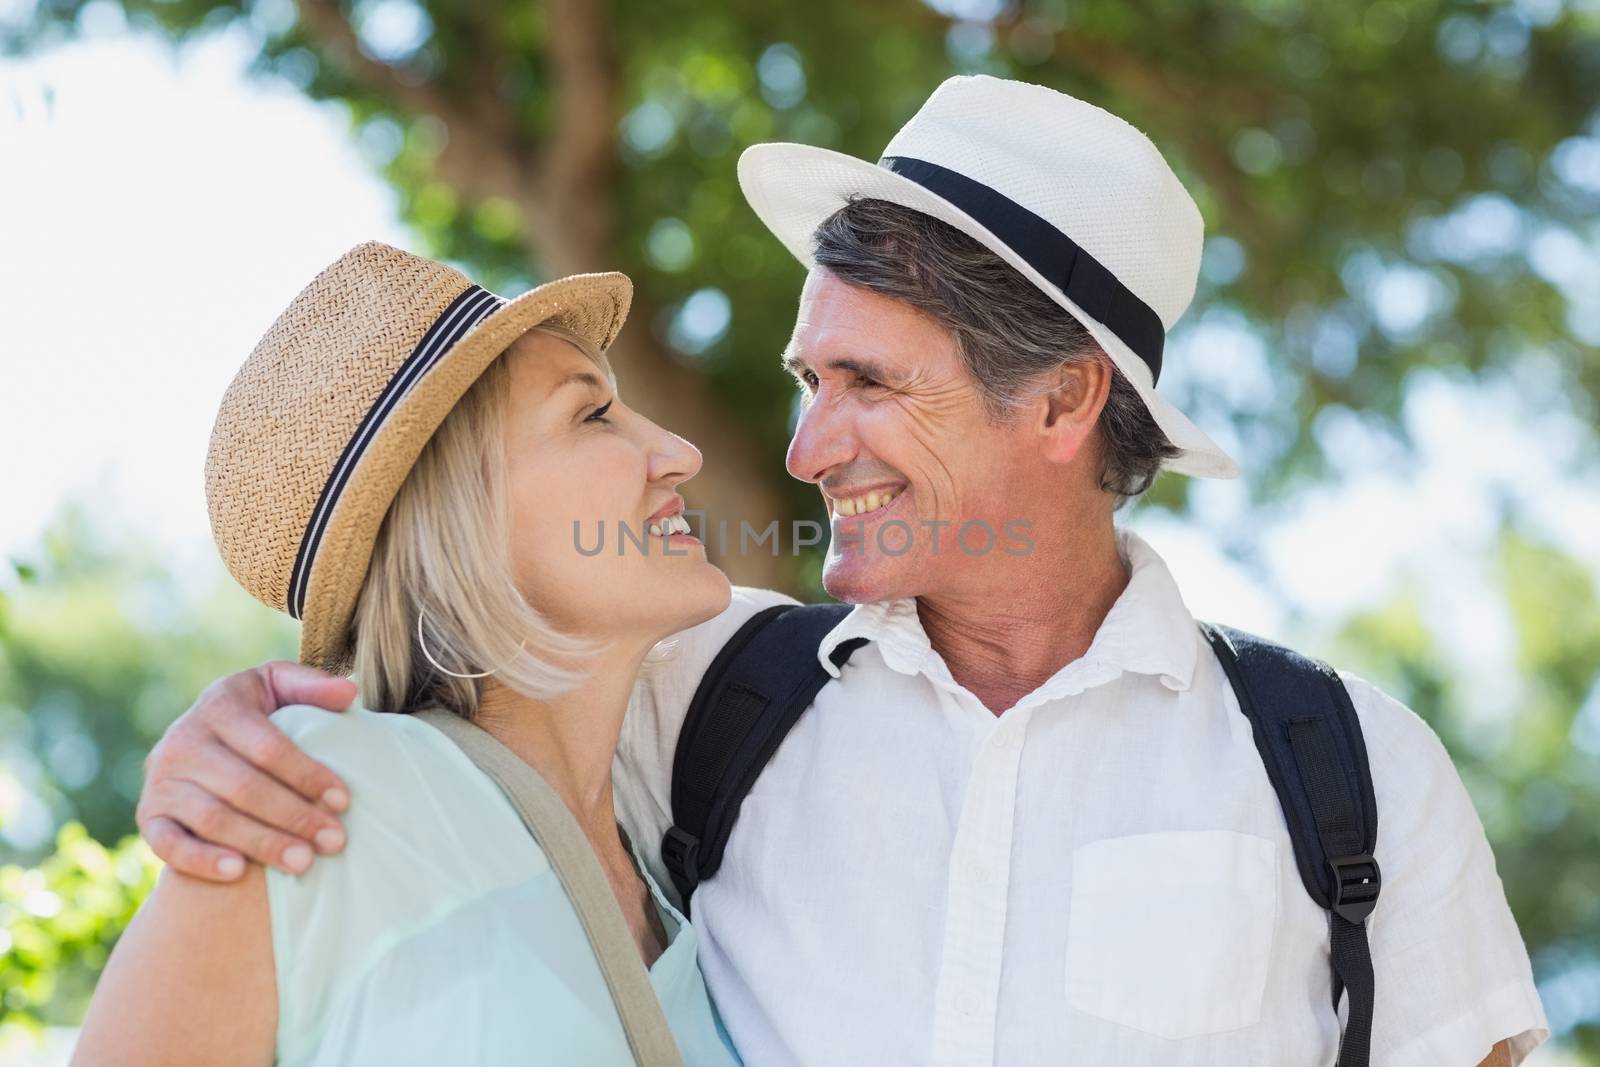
(1388, 186)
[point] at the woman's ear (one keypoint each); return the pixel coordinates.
(1070, 408)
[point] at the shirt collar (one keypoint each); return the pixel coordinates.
(1149, 630)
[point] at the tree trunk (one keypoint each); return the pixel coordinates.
(566, 191)
(573, 213)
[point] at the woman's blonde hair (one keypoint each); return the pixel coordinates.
(443, 552)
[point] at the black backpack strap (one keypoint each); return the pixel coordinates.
(1310, 741)
(753, 693)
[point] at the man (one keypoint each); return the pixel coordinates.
(1027, 822)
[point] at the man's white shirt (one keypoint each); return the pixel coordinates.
(1100, 875)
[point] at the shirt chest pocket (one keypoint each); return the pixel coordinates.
(1171, 933)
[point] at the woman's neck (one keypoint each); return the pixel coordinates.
(571, 739)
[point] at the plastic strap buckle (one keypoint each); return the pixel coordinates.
(680, 851)
(1356, 881)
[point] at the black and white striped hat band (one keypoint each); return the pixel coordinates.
(462, 314)
(1062, 262)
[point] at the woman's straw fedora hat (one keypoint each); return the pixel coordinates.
(323, 422)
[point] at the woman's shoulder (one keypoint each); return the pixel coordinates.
(357, 733)
(384, 751)
(418, 803)
(428, 836)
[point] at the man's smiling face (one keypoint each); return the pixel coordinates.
(889, 410)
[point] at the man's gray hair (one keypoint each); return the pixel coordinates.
(1010, 334)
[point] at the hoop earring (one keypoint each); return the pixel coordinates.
(441, 667)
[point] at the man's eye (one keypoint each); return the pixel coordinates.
(867, 383)
(599, 414)
(806, 380)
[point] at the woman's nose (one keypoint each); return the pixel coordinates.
(673, 458)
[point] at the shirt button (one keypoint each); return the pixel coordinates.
(978, 872)
(1008, 739)
(967, 1002)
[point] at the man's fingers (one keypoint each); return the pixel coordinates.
(261, 743)
(204, 816)
(182, 851)
(262, 797)
(288, 682)
(258, 815)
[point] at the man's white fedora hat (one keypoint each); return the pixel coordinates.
(1070, 195)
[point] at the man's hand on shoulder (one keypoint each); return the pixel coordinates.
(224, 784)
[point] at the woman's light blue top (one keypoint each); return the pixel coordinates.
(441, 934)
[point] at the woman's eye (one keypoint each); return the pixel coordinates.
(599, 414)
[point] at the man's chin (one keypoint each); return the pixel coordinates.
(853, 580)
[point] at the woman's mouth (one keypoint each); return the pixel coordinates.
(674, 529)
(667, 526)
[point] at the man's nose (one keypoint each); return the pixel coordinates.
(824, 437)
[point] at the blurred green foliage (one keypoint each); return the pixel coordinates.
(102, 643)
(100, 648)
(1529, 754)
(58, 922)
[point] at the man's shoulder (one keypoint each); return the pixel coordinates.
(1408, 759)
(669, 678)
(747, 601)
(684, 657)
(1392, 731)
(660, 701)
(1418, 788)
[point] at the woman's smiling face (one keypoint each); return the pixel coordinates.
(587, 476)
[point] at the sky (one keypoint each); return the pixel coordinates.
(158, 209)
(154, 219)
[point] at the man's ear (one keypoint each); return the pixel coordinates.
(1070, 407)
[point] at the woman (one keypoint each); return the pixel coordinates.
(418, 471)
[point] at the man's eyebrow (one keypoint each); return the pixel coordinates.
(848, 364)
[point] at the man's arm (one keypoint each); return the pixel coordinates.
(224, 784)
(1499, 1056)
(1454, 977)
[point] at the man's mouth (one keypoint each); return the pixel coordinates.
(861, 502)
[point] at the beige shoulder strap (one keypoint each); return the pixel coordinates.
(574, 861)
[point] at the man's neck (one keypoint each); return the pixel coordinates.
(1003, 641)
